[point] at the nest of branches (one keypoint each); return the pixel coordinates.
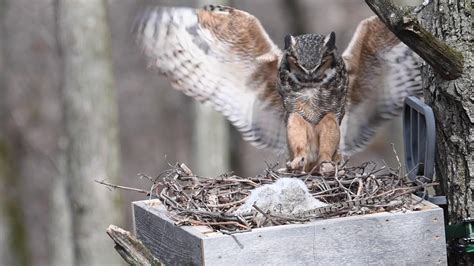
(193, 200)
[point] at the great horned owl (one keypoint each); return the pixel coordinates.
(312, 80)
(306, 99)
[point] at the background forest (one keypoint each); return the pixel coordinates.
(41, 216)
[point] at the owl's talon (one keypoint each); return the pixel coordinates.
(327, 168)
(297, 164)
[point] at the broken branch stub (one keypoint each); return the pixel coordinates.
(131, 249)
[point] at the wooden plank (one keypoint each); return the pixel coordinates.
(384, 238)
(171, 244)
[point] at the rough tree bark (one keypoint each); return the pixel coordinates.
(90, 111)
(447, 83)
(453, 105)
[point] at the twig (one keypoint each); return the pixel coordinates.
(122, 187)
(196, 222)
(396, 156)
(265, 214)
(360, 188)
(186, 169)
(230, 204)
(140, 175)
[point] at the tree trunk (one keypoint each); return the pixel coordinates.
(13, 239)
(90, 111)
(61, 242)
(211, 149)
(210, 141)
(452, 103)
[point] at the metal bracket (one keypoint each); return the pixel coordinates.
(419, 135)
(438, 200)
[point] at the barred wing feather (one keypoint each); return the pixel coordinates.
(222, 57)
(382, 73)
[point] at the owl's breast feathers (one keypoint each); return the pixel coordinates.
(313, 100)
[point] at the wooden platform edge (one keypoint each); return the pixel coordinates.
(409, 238)
(169, 243)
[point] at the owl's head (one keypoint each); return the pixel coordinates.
(310, 58)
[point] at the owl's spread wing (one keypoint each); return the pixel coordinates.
(223, 57)
(382, 73)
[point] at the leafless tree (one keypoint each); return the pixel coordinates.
(13, 242)
(90, 117)
(453, 105)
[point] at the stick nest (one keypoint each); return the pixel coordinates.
(193, 200)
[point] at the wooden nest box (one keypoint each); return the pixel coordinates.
(401, 238)
(415, 236)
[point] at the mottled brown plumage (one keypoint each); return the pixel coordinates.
(306, 99)
(312, 81)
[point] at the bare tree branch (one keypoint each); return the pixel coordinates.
(447, 62)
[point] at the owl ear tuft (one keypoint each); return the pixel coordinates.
(330, 40)
(289, 41)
